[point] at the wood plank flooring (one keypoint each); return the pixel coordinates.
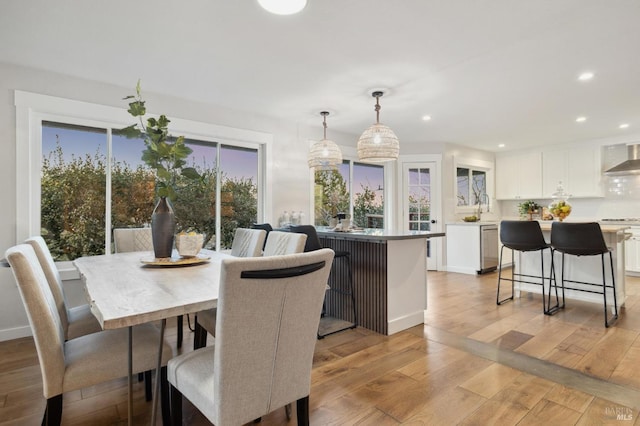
(472, 363)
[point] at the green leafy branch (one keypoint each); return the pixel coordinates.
(166, 155)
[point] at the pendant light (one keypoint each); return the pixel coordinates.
(325, 154)
(283, 7)
(378, 143)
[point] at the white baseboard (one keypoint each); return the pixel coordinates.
(407, 321)
(14, 333)
(462, 270)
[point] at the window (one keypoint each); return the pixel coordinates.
(419, 189)
(79, 178)
(355, 189)
(471, 186)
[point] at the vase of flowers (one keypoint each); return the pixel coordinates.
(167, 157)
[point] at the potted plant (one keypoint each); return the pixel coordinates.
(528, 208)
(167, 156)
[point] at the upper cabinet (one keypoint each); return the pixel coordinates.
(577, 168)
(536, 174)
(519, 175)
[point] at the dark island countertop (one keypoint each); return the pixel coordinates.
(377, 234)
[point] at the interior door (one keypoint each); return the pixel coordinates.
(420, 205)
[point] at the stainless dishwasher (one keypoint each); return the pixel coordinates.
(488, 248)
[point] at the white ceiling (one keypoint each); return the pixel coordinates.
(487, 71)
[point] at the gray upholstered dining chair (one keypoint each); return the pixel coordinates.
(84, 361)
(132, 239)
(279, 243)
(268, 315)
(246, 243)
(76, 321)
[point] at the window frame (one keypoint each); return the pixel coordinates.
(32, 109)
(349, 155)
(473, 165)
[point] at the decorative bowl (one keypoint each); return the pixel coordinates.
(189, 244)
(560, 209)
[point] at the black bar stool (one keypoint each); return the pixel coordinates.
(525, 236)
(584, 239)
(313, 243)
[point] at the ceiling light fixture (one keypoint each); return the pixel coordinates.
(283, 7)
(586, 76)
(501, 145)
(325, 154)
(378, 143)
(624, 126)
(426, 118)
(581, 119)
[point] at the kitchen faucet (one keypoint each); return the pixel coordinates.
(483, 199)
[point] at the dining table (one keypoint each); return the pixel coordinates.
(127, 289)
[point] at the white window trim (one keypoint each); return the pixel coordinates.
(473, 164)
(33, 108)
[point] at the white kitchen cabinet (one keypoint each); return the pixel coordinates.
(472, 248)
(577, 168)
(632, 249)
(519, 175)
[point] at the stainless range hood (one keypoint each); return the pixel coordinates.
(629, 167)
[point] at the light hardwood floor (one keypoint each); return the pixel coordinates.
(472, 363)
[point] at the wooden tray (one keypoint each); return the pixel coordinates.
(175, 261)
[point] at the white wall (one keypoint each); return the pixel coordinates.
(289, 189)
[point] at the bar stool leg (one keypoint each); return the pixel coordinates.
(498, 301)
(350, 292)
(604, 292)
(550, 310)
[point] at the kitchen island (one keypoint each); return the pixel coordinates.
(389, 272)
(583, 268)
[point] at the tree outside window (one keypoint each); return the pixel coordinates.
(363, 197)
(471, 186)
(74, 190)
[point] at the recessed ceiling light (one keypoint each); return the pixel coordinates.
(501, 145)
(283, 7)
(426, 118)
(581, 119)
(586, 76)
(624, 126)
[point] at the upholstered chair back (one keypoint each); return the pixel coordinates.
(266, 333)
(248, 242)
(44, 318)
(132, 239)
(279, 243)
(53, 277)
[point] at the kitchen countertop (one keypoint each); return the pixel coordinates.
(606, 228)
(376, 234)
(479, 223)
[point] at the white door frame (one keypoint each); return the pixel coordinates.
(433, 162)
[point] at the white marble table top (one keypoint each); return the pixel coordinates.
(124, 292)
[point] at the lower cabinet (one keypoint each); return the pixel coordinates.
(472, 248)
(632, 249)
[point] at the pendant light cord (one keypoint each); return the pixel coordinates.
(377, 96)
(324, 123)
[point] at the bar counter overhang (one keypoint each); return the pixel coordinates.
(389, 273)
